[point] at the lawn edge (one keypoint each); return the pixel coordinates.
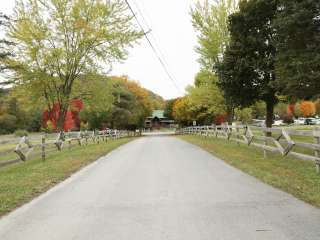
(57, 184)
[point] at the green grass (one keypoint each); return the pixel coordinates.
(19, 183)
(294, 176)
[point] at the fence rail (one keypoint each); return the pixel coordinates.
(301, 144)
(14, 150)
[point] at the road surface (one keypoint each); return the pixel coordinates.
(161, 188)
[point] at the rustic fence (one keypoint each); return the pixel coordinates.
(14, 150)
(302, 144)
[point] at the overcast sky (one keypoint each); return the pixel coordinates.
(171, 26)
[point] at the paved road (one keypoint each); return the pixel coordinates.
(161, 188)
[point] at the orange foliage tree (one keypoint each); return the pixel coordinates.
(307, 108)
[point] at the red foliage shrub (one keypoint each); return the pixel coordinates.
(219, 119)
(72, 121)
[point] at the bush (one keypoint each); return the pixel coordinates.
(21, 133)
(84, 126)
(34, 121)
(8, 123)
(297, 110)
(288, 118)
(244, 115)
(281, 109)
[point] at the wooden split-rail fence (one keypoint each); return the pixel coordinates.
(302, 144)
(22, 149)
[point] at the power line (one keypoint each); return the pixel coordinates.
(152, 47)
(152, 34)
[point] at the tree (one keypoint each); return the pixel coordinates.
(244, 115)
(307, 108)
(259, 110)
(298, 47)
(297, 110)
(281, 109)
(168, 110)
(58, 42)
(142, 102)
(181, 111)
(205, 77)
(247, 69)
(210, 20)
(205, 102)
(126, 106)
(7, 123)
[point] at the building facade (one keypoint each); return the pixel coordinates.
(157, 121)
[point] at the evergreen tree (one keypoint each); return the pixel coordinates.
(298, 45)
(247, 71)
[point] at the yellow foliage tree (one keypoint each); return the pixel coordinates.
(181, 111)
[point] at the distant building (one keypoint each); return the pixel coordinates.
(157, 120)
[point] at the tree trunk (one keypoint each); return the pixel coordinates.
(269, 115)
(230, 114)
(62, 118)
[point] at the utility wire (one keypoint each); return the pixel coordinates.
(153, 48)
(152, 34)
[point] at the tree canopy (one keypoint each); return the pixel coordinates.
(298, 48)
(247, 72)
(59, 43)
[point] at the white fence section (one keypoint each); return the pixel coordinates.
(14, 150)
(302, 144)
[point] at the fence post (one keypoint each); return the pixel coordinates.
(238, 133)
(18, 151)
(43, 147)
(264, 150)
(79, 138)
(317, 152)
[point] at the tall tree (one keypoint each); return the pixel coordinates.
(298, 45)
(248, 66)
(210, 20)
(60, 41)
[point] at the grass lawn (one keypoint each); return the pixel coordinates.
(19, 183)
(294, 176)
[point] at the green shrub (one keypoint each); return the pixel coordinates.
(21, 133)
(8, 123)
(244, 115)
(84, 126)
